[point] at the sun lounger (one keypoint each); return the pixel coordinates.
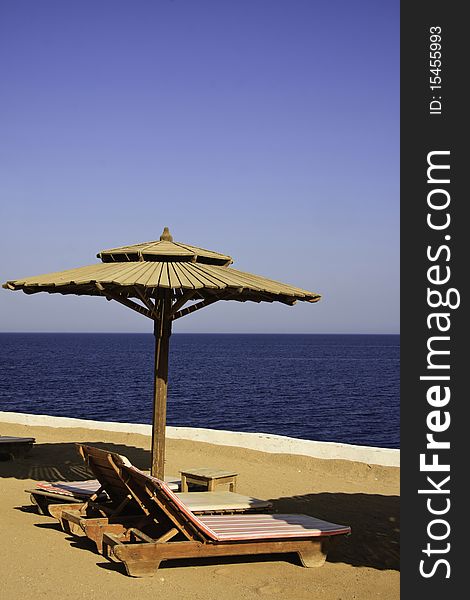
(182, 534)
(46, 495)
(120, 511)
(14, 447)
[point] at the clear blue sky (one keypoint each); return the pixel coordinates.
(264, 129)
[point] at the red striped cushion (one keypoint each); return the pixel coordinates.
(263, 527)
(82, 488)
(70, 488)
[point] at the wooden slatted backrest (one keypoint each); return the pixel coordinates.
(99, 462)
(156, 498)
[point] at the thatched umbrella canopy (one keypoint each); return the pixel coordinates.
(158, 279)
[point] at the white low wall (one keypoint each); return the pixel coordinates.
(264, 442)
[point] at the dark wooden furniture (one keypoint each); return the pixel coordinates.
(14, 447)
(121, 511)
(182, 534)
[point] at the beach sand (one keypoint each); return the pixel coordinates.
(38, 560)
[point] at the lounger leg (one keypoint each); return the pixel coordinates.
(141, 569)
(137, 565)
(95, 532)
(71, 528)
(314, 555)
(40, 503)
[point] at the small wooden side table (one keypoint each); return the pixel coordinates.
(211, 478)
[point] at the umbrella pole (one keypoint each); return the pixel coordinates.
(162, 332)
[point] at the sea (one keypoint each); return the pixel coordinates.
(337, 388)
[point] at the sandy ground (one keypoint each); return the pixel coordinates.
(38, 560)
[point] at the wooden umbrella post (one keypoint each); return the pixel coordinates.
(147, 278)
(162, 332)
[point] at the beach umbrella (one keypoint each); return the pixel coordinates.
(164, 281)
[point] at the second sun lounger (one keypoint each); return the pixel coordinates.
(46, 494)
(122, 511)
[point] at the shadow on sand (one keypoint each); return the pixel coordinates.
(374, 521)
(61, 462)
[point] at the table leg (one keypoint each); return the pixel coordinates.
(184, 483)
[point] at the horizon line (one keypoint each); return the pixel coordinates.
(201, 333)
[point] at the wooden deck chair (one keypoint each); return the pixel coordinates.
(122, 511)
(116, 512)
(182, 534)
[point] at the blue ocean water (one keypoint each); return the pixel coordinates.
(340, 388)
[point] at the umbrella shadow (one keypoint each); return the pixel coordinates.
(61, 462)
(374, 520)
